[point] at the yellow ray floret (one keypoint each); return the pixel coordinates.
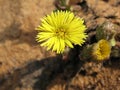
(101, 50)
(61, 29)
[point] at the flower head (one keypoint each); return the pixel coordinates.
(101, 50)
(61, 29)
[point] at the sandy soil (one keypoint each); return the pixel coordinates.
(24, 65)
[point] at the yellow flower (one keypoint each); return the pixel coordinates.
(61, 29)
(101, 50)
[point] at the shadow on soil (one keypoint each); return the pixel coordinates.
(39, 74)
(114, 63)
(14, 32)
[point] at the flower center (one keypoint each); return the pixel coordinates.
(61, 33)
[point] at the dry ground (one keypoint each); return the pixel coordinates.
(24, 65)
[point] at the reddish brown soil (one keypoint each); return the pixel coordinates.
(24, 65)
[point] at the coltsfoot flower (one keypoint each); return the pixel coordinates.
(61, 29)
(101, 50)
